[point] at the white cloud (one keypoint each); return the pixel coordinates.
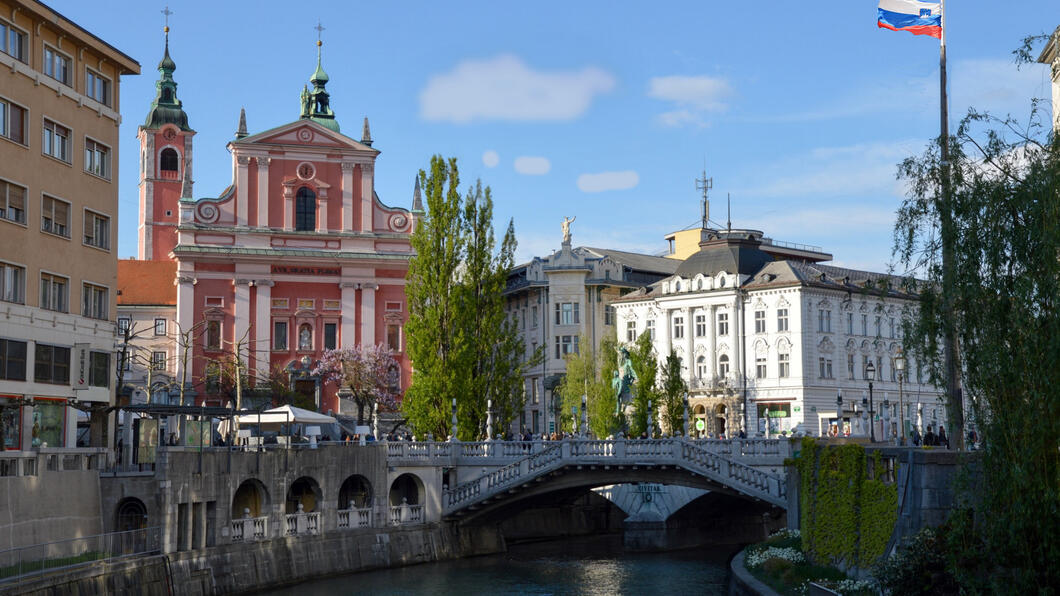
(608, 181)
(691, 96)
(532, 166)
(505, 88)
(490, 159)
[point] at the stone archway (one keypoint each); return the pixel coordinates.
(407, 489)
(355, 493)
(304, 491)
(131, 514)
(251, 498)
(720, 418)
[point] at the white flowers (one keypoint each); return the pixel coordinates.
(785, 533)
(788, 554)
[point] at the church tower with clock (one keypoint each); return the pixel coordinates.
(165, 165)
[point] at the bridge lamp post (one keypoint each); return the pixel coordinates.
(899, 365)
(870, 374)
(684, 416)
(585, 417)
(453, 437)
(839, 412)
(886, 416)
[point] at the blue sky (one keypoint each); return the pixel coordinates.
(605, 111)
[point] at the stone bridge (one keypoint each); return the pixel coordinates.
(486, 478)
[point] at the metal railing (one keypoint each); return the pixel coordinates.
(22, 563)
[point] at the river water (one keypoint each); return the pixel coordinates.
(595, 565)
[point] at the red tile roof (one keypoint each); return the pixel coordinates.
(147, 282)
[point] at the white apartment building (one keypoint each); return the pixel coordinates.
(763, 337)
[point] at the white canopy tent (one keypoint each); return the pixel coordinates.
(284, 415)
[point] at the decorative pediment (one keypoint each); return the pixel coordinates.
(783, 345)
(864, 307)
(306, 133)
(782, 302)
(824, 303)
(761, 347)
(826, 346)
(865, 346)
(759, 304)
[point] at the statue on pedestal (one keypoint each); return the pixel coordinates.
(567, 221)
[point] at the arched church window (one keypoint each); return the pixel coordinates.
(701, 367)
(305, 210)
(723, 366)
(305, 337)
(170, 161)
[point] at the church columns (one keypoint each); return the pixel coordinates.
(322, 211)
(263, 192)
(665, 334)
(690, 344)
(368, 314)
(367, 200)
(347, 196)
(185, 316)
(288, 206)
(241, 340)
(242, 177)
(712, 340)
(262, 328)
(348, 326)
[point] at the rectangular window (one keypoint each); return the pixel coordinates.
(12, 202)
(99, 369)
(52, 364)
(701, 325)
(12, 360)
(783, 362)
(825, 365)
(393, 337)
(631, 331)
(533, 316)
(12, 42)
(97, 230)
(53, 292)
(160, 326)
(877, 326)
(97, 87)
(864, 324)
(123, 324)
(331, 336)
(158, 360)
(56, 65)
(891, 335)
(55, 216)
(97, 159)
(850, 366)
(782, 319)
(865, 368)
(679, 327)
(760, 321)
(94, 302)
(279, 335)
(760, 367)
(12, 283)
(723, 324)
(827, 321)
(850, 323)
(12, 121)
(609, 315)
(55, 140)
(213, 335)
(650, 328)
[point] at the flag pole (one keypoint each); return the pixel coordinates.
(953, 396)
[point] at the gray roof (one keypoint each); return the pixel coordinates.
(780, 273)
(637, 261)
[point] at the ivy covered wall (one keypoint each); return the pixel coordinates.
(847, 511)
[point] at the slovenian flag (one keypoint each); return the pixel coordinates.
(918, 18)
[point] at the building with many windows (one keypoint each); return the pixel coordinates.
(1051, 56)
(59, 116)
(297, 256)
(769, 337)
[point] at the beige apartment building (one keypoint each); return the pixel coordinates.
(59, 117)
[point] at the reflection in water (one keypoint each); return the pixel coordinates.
(577, 566)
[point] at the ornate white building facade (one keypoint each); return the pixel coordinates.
(763, 338)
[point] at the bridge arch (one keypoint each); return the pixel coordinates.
(407, 489)
(251, 497)
(304, 491)
(356, 489)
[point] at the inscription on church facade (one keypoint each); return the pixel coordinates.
(301, 270)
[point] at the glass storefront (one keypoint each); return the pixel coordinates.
(776, 415)
(48, 423)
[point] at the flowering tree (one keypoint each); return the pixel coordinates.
(365, 371)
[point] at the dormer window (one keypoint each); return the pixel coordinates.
(305, 210)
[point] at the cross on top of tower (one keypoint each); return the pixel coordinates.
(320, 29)
(165, 16)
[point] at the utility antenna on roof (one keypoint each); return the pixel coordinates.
(704, 184)
(728, 199)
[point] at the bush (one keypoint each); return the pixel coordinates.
(919, 567)
(777, 566)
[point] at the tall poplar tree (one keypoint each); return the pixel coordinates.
(461, 342)
(434, 331)
(590, 374)
(646, 366)
(673, 393)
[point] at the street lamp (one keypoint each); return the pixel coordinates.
(870, 374)
(899, 365)
(839, 412)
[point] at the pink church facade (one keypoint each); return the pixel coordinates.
(297, 256)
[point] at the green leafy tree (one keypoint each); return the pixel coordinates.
(589, 373)
(433, 330)
(462, 344)
(1004, 200)
(646, 366)
(602, 419)
(672, 395)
